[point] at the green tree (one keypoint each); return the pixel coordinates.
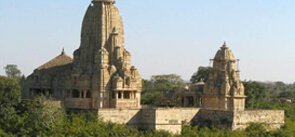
(160, 89)
(9, 99)
(3, 134)
(12, 71)
(41, 117)
(201, 74)
(287, 94)
(257, 94)
(256, 130)
(167, 83)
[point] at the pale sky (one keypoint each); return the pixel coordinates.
(163, 36)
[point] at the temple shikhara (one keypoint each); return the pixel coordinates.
(224, 90)
(100, 77)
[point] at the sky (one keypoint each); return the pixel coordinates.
(163, 36)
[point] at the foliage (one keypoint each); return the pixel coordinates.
(256, 130)
(197, 131)
(152, 98)
(12, 71)
(9, 99)
(201, 75)
(256, 93)
(3, 134)
(166, 83)
(9, 91)
(160, 89)
(287, 94)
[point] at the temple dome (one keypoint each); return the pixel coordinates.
(224, 53)
(60, 60)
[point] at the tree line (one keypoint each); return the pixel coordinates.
(37, 118)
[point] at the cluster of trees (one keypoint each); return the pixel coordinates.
(254, 130)
(37, 118)
(160, 90)
(12, 71)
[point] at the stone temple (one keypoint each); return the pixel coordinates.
(100, 77)
(224, 90)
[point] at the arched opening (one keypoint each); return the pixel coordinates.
(120, 95)
(75, 93)
(37, 92)
(88, 94)
(191, 101)
(126, 95)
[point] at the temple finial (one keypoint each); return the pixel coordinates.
(63, 51)
(224, 44)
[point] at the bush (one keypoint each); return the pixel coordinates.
(256, 130)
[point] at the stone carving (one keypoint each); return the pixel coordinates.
(101, 66)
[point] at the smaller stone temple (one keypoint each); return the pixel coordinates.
(224, 90)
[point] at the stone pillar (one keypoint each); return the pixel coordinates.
(195, 101)
(46, 93)
(225, 104)
(122, 94)
(138, 97)
(185, 101)
(80, 95)
(130, 94)
(101, 100)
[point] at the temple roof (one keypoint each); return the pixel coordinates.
(224, 54)
(60, 60)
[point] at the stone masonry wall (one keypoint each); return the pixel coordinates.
(274, 119)
(214, 118)
(120, 116)
(172, 119)
(168, 119)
